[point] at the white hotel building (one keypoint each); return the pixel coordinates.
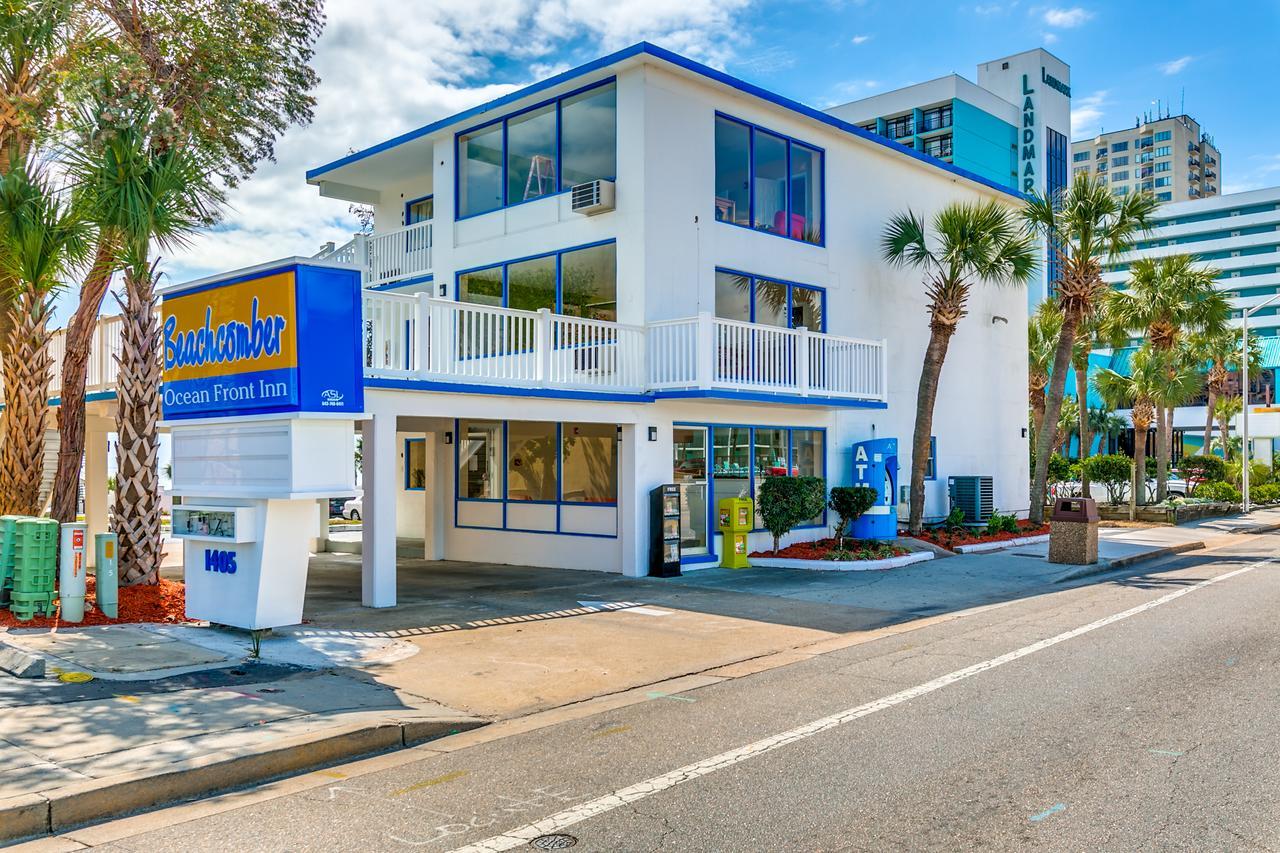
(708, 307)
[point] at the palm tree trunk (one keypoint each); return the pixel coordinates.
(1037, 411)
(75, 365)
(1162, 443)
(27, 370)
(1052, 409)
(1140, 464)
(137, 503)
(1208, 422)
(930, 372)
(1086, 439)
(1224, 432)
(1168, 465)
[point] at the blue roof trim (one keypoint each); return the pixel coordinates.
(689, 65)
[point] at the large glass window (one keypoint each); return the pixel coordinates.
(415, 464)
(532, 284)
(733, 172)
(483, 287)
(531, 155)
(588, 136)
(731, 460)
(769, 459)
(690, 473)
(589, 282)
(538, 152)
(590, 466)
(480, 460)
(421, 210)
(480, 170)
(772, 303)
(741, 459)
(768, 182)
(531, 461)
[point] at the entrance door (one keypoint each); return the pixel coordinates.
(690, 473)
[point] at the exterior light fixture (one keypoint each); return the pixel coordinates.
(653, 433)
(448, 436)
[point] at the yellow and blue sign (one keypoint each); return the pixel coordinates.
(279, 340)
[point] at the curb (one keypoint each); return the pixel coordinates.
(1121, 562)
(843, 565)
(1001, 544)
(1261, 528)
(78, 803)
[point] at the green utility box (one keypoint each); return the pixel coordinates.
(8, 531)
(35, 567)
(736, 518)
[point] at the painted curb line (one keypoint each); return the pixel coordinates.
(999, 545)
(68, 806)
(842, 565)
(1121, 562)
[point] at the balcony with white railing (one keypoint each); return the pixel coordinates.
(398, 255)
(418, 337)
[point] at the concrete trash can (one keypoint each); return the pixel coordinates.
(1073, 531)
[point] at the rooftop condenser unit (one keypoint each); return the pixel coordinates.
(975, 496)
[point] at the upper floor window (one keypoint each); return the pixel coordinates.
(419, 210)
(937, 117)
(1120, 161)
(1119, 146)
(578, 282)
(1164, 151)
(538, 152)
(1164, 136)
(768, 182)
(938, 146)
(1080, 156)
(752, 299)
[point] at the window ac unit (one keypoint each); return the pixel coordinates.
(592, 197)
(974, 495)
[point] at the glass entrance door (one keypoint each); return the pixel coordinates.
(689, 472)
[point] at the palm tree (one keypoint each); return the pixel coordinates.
(971, 243)
(41, 238)
(1042, 336)
(1167, 299)
(1068, 424)
(1225, 410)
(1083, 226)
(1222, 350)
(1106, 424)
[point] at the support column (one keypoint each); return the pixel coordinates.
(96, 439)
(439, 487)
(642, 465)
(378, 520)
(321, 541)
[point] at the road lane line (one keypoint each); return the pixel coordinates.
(639, 791)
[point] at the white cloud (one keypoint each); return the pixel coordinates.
(988, 9)
(1067, 18)
(1048, 38)
(1087, 113)
(1174, 66)
(386, 68)
(861, 39)
(852, 90)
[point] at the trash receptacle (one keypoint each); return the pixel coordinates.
(1073, 531)
(737, 516)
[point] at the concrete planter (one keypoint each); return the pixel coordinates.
(979, 547)
(841, 565)
(1166, 515)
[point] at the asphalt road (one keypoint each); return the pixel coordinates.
(1123, 715)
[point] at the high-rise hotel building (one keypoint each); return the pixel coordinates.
(1171, 158)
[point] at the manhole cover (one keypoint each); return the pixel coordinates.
(558, 841)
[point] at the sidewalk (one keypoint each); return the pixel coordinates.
(470, 644)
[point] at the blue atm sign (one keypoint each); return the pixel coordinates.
(280, 340)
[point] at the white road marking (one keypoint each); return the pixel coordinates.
(639, 791)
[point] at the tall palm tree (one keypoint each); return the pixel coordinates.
(1225, 410)
(41, 238)
(970, 243)
(1042, 337)
(1222, 351)
(1084, 226)
(1167, 300)
(1068, 425)
(1106, 424)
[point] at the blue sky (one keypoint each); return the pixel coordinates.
(388, 66)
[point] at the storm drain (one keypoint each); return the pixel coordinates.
(558, 841)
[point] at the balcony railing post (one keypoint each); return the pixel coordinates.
(884, 370)
(705, 354)
(802, 362)
(360, 248)
(542, 346)
(423, 330)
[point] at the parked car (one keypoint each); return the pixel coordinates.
(352, 509)
(336, 505)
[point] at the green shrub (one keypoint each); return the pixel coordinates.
(1111, 470)
(787, 502)
(1267, 493)
(1059, 468)
(849, 503)
(1219, 490)
(1000, 523)
(1205, 468)
(1150, 464)
(954, 520)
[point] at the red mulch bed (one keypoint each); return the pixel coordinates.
(820, 549)
(162, 602)
(965, 536)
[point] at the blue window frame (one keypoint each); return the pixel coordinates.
(419, 209)
(780, 181)
(931, 467)
(770, 301)
(415, 464)
(498, 461)
(537, 152)
(1056, 146)
(741, 474)
(591, 271)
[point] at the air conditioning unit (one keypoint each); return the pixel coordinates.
(592, 197)
(974, 495)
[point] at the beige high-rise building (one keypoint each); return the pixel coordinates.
(1170, 157)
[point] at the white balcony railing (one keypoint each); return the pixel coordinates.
(391, 256)
(420, 337)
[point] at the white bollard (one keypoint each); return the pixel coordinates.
(71, 571)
